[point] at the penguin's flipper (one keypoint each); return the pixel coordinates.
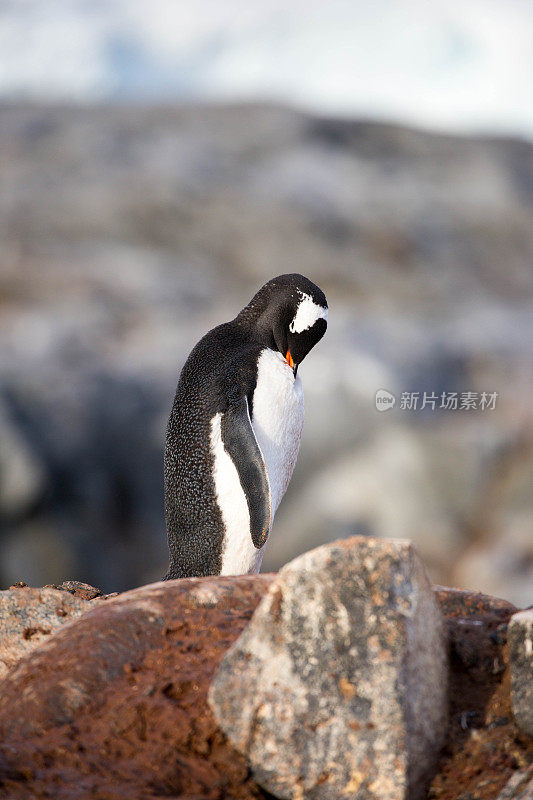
(241, 445)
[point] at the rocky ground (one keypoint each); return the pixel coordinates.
(118, 703)
(127, 232)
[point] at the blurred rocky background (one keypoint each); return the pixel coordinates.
(133, 221)
(129, 232)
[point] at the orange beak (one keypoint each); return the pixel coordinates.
(288, 359)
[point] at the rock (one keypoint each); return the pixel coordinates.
(521, 660)
(28, 616)
(78, 589)
(145, 721)
(125, 687)
(519, 787)
(484, 747)
(457, 604)
(477, 630)
(338, 686)
(91, 655)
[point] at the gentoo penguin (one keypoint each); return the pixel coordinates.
(234, 430)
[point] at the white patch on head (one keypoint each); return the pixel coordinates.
(277, 420)
(239, 554)
(307, 313)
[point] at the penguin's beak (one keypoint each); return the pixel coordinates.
(290, 362)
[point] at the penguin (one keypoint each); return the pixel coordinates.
(234, 430)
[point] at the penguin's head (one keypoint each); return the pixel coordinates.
(290, 313)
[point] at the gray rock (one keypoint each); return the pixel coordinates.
(519, 787)
(520, 636)
(28, 616)
(337, 687)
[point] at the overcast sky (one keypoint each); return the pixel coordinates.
(458, 65)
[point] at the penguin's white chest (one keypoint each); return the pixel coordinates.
(277, 420)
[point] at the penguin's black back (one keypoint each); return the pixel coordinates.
(221, 369)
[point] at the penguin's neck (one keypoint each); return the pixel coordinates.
(258, 318)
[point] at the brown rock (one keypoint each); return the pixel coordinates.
(484, 748)
(338, 685)
(477, 629)
(460, 603)
(28, 616)
(78, 589)
(116, 707)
